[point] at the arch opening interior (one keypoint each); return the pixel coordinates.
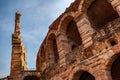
(115, 69)
(98, 13)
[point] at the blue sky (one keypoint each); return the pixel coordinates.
(37, 15)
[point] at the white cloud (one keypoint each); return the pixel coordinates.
(40, 15)
(31, 37)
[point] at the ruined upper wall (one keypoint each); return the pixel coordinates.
(78, 20)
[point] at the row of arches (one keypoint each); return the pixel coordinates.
(50, 52)
(115, 73)
(69, 29)
(85, 73)
(70, 37)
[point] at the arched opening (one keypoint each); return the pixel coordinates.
(31, 77)
(53, 50)
(100, 12)
(86, 76)
(115, 69)
(73, 35)
(83, 75)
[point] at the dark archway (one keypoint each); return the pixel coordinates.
(53, 50)
(73, 34)
(115, 69)
(100, 12)
(56, 54)
(83, 75)
(31, 77)
(86, 76)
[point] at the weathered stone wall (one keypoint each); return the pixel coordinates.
(98, 64)
(99, 46)
(82, 44)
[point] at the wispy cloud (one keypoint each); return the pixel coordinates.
(42, 16)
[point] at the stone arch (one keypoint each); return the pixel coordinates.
(69, 28)
(99, 18)
(111, 60)
(73, 35)
(83, 75)
(52, 49)
(41, 61)
(115, 73)
(31, 77)
(113, 66)
(64, 21)
(80, 71)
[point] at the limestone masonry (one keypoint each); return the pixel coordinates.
(83, 43)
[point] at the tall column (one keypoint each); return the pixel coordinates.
(50, 54)
(18, 60)
(85, 30)
(116, 5)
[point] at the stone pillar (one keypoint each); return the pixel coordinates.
(103, 70)
(50, 54)
(63, 47)
(85, 30)
(116, 5)
(103, 75)
(17, 22)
